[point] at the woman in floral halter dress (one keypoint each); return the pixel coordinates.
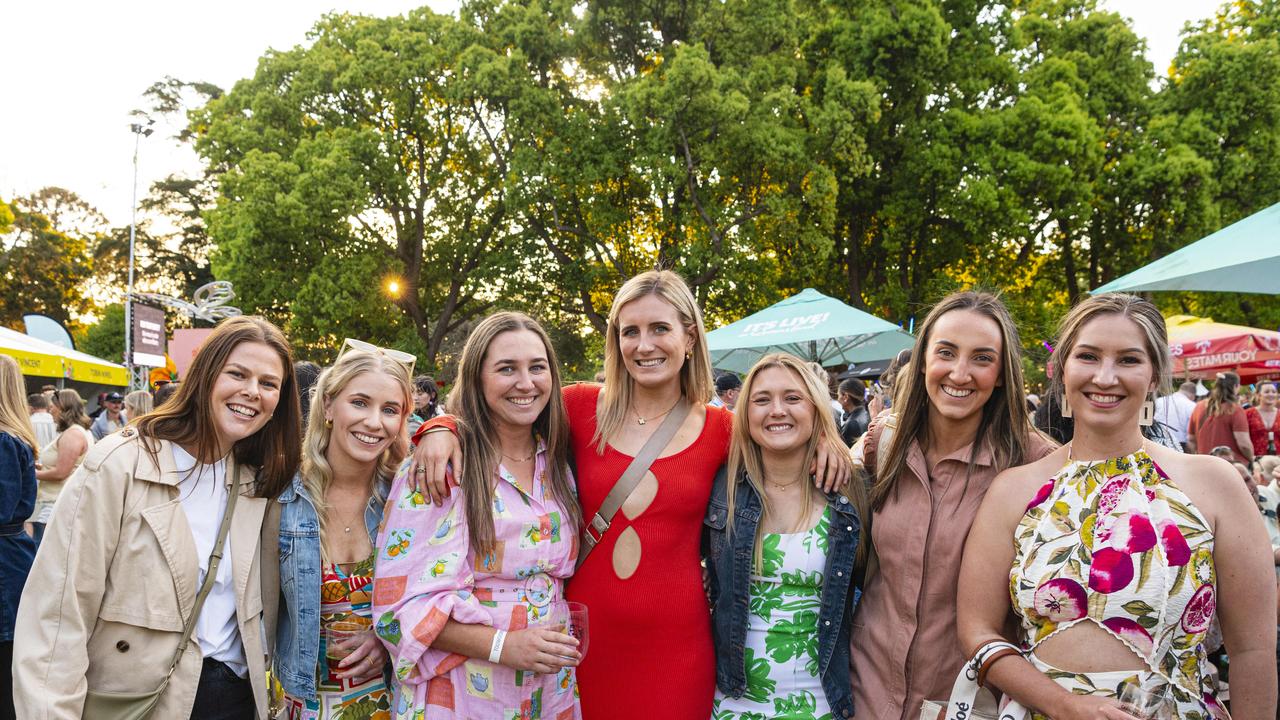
(1123, 551)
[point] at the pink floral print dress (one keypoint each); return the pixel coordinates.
(427, 573)
(1118, 544)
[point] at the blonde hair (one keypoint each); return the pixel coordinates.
(1005, 425)
(137, 404)
(746, 459)
(695, 374)
(480, 453)
(1155, 338)
(13, 403)
(315, 470)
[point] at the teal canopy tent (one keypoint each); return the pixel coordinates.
(1244, 257)
(811, 326)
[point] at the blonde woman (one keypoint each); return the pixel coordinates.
(17, 498)
(137, 404)
(60, 458)
(355, 439)
(1123, 552)
(782, 555)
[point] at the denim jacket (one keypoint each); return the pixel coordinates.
(729, 559)
(298, 632)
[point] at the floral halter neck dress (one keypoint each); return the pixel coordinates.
(1117, 543)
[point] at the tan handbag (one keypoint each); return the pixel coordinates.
(139, 706)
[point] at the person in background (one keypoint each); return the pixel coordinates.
(48, 390)
(132, 542)
(1264, 421)
(60, 458)
(163, 393)
(882, 397)
(1174, 411)
(825, 378)
(137, 404)
(1219, 420)
(17, 499)
(306, 374)
(854, 418)
(728, 386)
(112, 417)
(329, 520)
(425, 406)
(45, 426)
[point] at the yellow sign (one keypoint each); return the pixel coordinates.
(97, 374)
(37, 364)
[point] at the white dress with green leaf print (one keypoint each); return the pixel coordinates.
(782, 632)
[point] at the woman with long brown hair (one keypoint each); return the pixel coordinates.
(959, 417)
(1220, 421)
(57, 460)
(467, 591)
(110, 607)
(17, 497)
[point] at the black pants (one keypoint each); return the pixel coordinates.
(222, 694)
(6, 681)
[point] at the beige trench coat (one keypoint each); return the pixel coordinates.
(115, 581)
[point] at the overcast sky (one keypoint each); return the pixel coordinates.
(74, 70)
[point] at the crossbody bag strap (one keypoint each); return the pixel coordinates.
(215, 559)
(269, 562)
(621, 489)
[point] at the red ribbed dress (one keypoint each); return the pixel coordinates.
(650, 653)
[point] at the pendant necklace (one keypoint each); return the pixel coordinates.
(641, 420)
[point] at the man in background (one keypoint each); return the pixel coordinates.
(45, 426)
(111, 418)
(1174, 411)
(727, 387)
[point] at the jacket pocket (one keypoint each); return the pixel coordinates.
(714, 523)
(130, 650)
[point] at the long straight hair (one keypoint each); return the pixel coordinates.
(746, 458)
(476, 429)
(619, 388)
(13, 404)
(316, 472)
(1224, 395)
(187, 417)
(1005, 426)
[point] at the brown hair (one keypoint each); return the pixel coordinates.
(1224, 395)
(480, 453)
(1005, 425)
(187, 418)
(13, 409)
(70, 409)
(695, 374)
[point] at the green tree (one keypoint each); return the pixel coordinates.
(42, 270)
(105, 338)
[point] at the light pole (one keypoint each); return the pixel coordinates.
(135, 380)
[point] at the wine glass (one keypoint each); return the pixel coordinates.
(1146, 704)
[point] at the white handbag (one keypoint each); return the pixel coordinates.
(969, 700)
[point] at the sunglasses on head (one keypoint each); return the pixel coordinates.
(399, 356)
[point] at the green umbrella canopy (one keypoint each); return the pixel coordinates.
(811, 326)
(1244, 257)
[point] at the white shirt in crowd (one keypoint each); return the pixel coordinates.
(204, 499)
(45, 426)
(1174, 410)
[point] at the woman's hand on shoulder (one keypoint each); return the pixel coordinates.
(540, 650)
(435, 460)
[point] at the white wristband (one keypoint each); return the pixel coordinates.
(495, 650)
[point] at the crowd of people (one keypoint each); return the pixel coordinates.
(276, 539)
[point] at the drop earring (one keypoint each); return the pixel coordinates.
(1148, 416)
(1066, 407)
(328, 423)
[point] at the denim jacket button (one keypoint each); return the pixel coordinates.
(713, 518)
(826, 622)
(843, 499)
(849, 528)
(839, 573)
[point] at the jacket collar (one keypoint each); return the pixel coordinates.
(297, 489)
(156, 464)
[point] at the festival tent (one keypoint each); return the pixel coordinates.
(811, 326)
(44, 359)
(1244, 257)
(1202, 348)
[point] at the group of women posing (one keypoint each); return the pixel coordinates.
(440, 590)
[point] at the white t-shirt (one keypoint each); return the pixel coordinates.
(1175, 411)
(203, 492)
(45, 426)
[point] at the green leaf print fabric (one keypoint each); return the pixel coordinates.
(782, 632)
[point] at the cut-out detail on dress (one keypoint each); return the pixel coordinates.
(1117, 543)
(626, 553)
(641, 497)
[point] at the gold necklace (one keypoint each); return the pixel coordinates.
(346, 526)
(523, 459)
(641, 420)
